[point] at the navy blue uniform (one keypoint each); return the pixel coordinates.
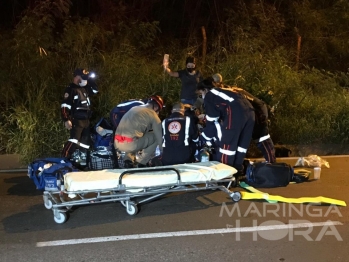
(120, 110)
(76, 107)
(260, 133)
(230, 118)
(179, 134)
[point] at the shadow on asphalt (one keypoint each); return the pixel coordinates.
(23, 186)
(38, 218)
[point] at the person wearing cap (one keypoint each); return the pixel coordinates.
(180, 134)
(76, 111)
(260, 133)
(189, 77)
(230, 118)
(140, 129)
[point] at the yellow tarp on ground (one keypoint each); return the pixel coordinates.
(256, 194)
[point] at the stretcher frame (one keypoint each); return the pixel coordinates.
(57, 200)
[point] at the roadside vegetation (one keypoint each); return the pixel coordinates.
(294, 62)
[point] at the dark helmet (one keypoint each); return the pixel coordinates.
(206, 84)
(190, 59)
(158, 100)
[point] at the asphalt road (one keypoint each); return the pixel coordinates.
(194, 226)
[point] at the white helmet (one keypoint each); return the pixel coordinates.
(217, 78)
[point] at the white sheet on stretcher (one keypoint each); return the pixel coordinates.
(109, 178)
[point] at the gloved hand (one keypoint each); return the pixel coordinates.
(68, 125)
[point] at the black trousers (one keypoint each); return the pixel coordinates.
(79, 137)
(235, 142)
(262, 138)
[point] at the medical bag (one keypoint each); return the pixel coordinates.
(102, 134)
(47, 173)
(101, 158)
(267, 175)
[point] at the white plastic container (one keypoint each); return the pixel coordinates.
(317, 172)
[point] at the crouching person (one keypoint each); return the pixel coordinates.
(180, 134)
(230, 117)
(140, 129)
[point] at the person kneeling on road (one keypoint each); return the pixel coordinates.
(180, 134)
(140, 129)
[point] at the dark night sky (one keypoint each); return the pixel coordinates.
(177, 16)
(9, 9)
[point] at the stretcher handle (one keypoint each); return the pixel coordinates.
(147, 170)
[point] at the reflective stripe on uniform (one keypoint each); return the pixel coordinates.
(66, 105)
(263, 138)
(196, 140)
(219, 130)
(211, 119)
(222, 95)
(75, 141)
(164, 133)
(129, 103)
(227, 152)
(76, 97)
(186, 137)
(205, 137)
(241, 150)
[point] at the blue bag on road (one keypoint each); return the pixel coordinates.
(47, 173)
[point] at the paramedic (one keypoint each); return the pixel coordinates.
(180, 134)
(189, 77)
(140, 129)
(76, 111)
(118, 111)
(230, 118)
(260, 133)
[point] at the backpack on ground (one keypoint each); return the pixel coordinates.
(267, 175)
(102, 134)
(47, 173)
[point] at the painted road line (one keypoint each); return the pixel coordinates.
(184, 233)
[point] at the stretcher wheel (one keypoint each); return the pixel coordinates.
(62, 218)
(48, 204)
(132, 209)
(235, 196)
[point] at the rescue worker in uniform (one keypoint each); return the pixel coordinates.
(230, 118)
(180, 134)
(260, 133)
(118, 111)
(140, 129)
(76, 111)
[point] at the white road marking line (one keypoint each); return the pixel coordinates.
(184, 233)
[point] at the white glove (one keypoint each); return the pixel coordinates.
(68, 125)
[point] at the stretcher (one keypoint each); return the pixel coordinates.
(135, 186)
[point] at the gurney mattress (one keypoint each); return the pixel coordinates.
(109, 178)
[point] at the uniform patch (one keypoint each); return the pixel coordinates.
(174, 127)
(66, 95)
